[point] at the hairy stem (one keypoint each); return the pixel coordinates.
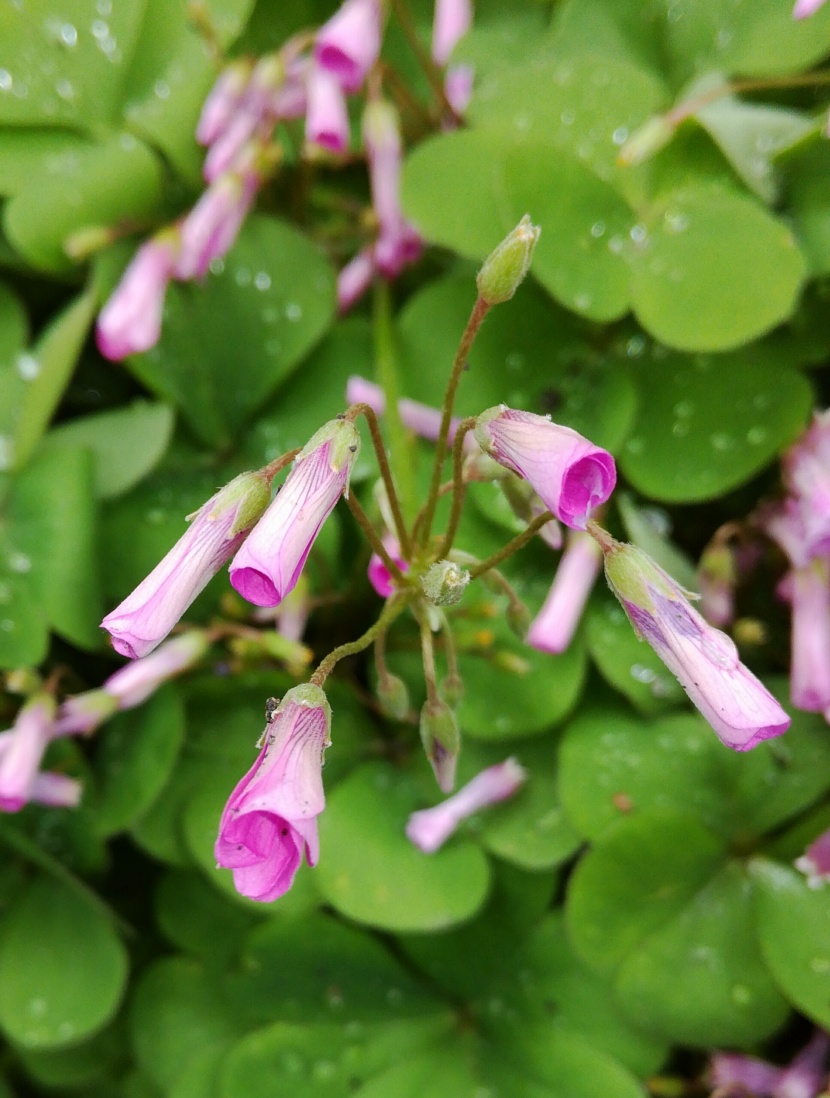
(394, 608)
(458, 485)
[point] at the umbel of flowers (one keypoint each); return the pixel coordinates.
(548, 472)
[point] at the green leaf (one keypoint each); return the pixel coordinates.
(25, 152)
(629, 664)
(65, 64)
(809, 203)
(77, 1065)
(178, 1014)
(646, 527)
(370, 872)
(127, 443)
(709, 423)
(135, 758)
(278, 289)
(24, 632)
(14, 326)
(699, 298)
(51, 531)
(46, 372)
(195, 917)
(62, 966)
(792, 927)
(105, 185)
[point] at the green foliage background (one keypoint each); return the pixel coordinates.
(638, 894)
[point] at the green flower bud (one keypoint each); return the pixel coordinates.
(518, 618)
(442, 742)
(452, 690)
(505, 268)
(393, 696)
(444, 583)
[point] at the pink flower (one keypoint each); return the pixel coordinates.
(803, 1077)
(451, 22)
(398, 243)
(378, 572)
(21, 752)
(705, 661)
(271, 817)
(268, 565)
(130, 322)
(803, 8)
(327, 120)
(355, 279)
(252, 118)
(553, 627)
(458, 87)
(808, 590)
(570, 475)
(216, 531)
(419, 418)
(349, 43)
(815, 861)
(223, 101)
(430, 828)
(212, 226)
(806, 467)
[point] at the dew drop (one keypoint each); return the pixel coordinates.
(680, 430)
(262, 280)
(293, 311)
(643, 674)
(567, 118)
(69, 36)
(620, 135)
(635, 446)
(820, 965)
(674, 222)
(583, 302)
(638, 233)
(217, 266)
(161, 89)
(721, 441)
(5, 594)
(615, 245)
(741, 994)
(99, 29)
(242, 277)
(324, 1069)
(598, 229)
(65, 90)
(5, 80)
(7, 625)
(27, 366)
(36, 1007)
(756, 435)
(20, 563)
(394, 995)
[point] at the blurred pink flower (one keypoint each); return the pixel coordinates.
(452, 20)
(327, 120)
(21, 752)
(270, 820)
(130, 322)
(814, 863)
(349, 43)
(803, 8)
(553, 627)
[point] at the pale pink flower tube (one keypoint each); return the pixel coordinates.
(570, 475)
(21, 752)
(354, 279)
(452, 20)
(419, 418)
(269, 563)
(130, 322)
(349, 43)
(553, 628)
(212, 226)
(806, 469)
(809, 594)
(430, 828)
(217, 529)
(327, 120)
(223, 101)
(377, 571)
(270, 820)
(815, 861)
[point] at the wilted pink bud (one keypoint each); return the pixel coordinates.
(349, 44)
(570, 475)
(327, 120)
(705, 661)
(815, 861)
(216, 531)
(21, 751)
(430, 828)
(378, 572)
(271, 817)
(803, 8)
(553, 627)
(355, 279)
(268, 565)
(806, 467)
(223, 101)
(130, 322)
(458, 87)
(450, 23)
(212, 226)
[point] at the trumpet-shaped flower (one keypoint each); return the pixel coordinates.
(216, 531)
(223, 101)
(553, 627)
(268, 565)
(450, 23)
(21, 751)
(270, 820)
(430, 828)
(349, 43)
(130, 322)
(570, 475)
(705, 661)
(327, 120)
(212, 226)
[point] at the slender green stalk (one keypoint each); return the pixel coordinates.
(512, 547)
(368, 414)
(278, 464)
(428, 660)
(431, 70)
(394, 607)
(400, 447)
(458, 485)
(480, 310)
(449, 648)
(689, 107)
(362, 520)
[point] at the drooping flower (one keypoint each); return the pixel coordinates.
(803, 1077)
(571, 475)
(398, 243)
(216, 531)
(450, 23)
(223, 101)
(349, 43)
(251, 119)
(21, 752)
(430, 828)
(270, 820)
(705, 661)
(814, 863)
(803, 8)
(130, 322)
(553, 627)
(355, 278)
(210, 229)
(327, 120)
(130, 685)
(269, 563)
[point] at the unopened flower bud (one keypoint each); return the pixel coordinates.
(442, 742)
(518, 618)
(444, 583)
(505, 268)
(648, 139)
(393, 697)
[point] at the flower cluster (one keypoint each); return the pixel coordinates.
(309, 78)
